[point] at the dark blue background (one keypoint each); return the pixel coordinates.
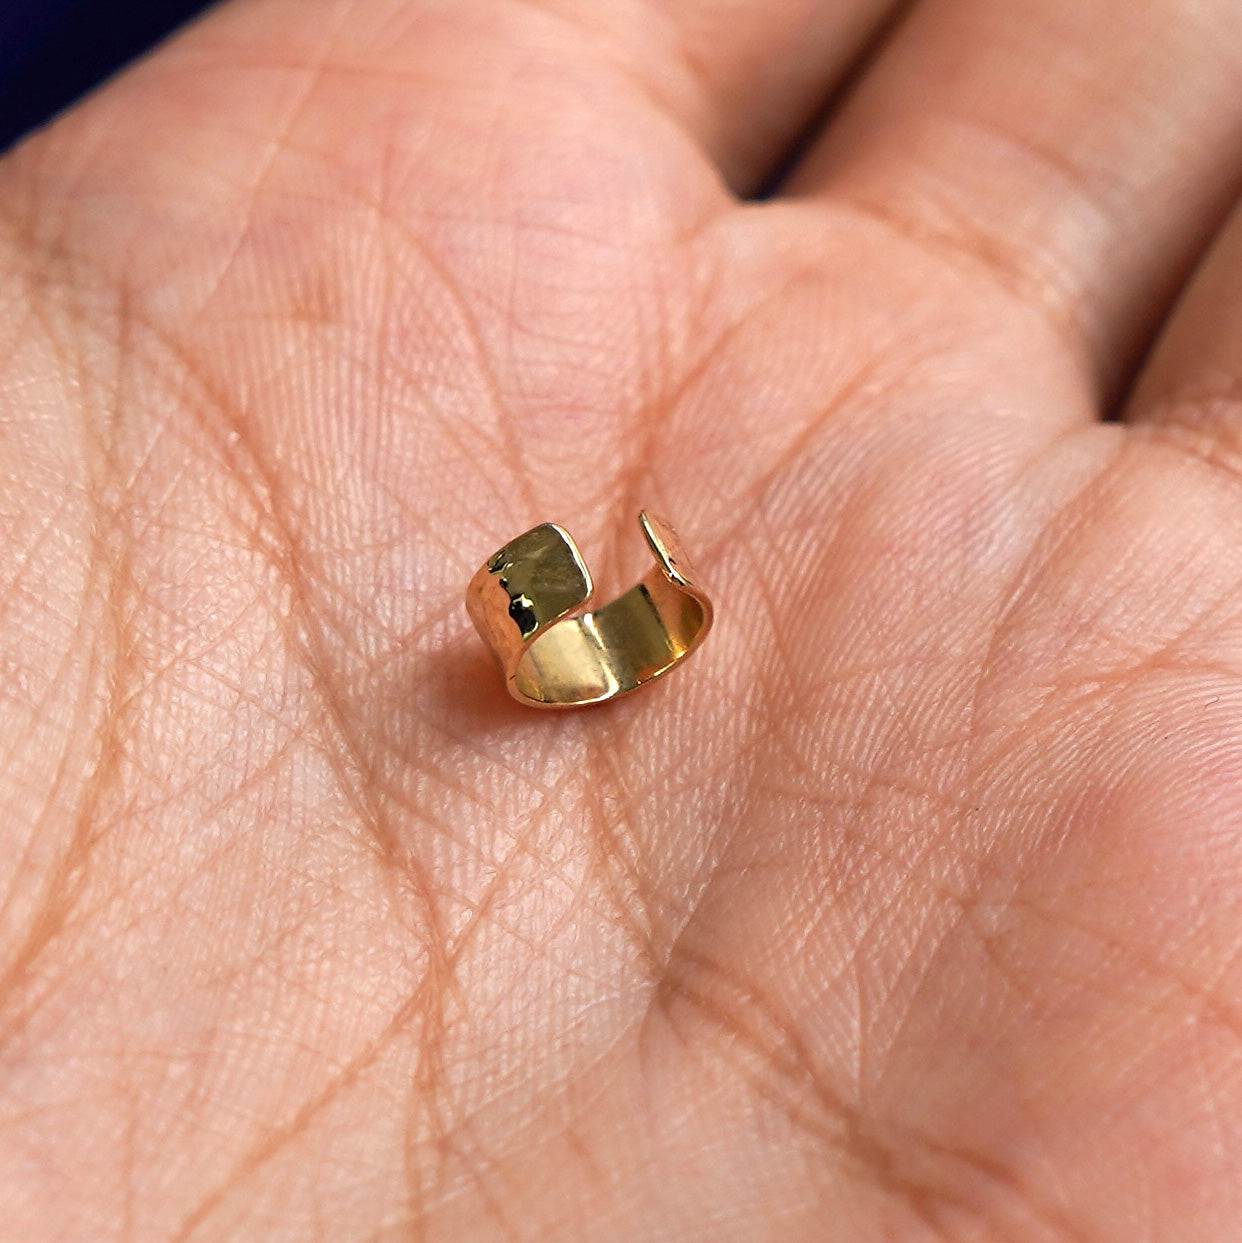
(53, 51)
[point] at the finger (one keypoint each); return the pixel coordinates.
(744, 77)
(1080, 154)
(1192, 387)
(765, 68)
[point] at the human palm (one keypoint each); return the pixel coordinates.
(910, 909)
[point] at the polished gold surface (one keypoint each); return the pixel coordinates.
(521, 602)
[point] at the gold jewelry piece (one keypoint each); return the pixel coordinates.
(521, 601)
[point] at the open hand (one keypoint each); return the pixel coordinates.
(911, 909)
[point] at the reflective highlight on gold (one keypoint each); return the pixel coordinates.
(522, 600)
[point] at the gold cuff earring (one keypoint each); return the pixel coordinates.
(520, 602)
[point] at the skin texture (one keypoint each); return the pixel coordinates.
(910, 910)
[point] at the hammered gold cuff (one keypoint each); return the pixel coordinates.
(522, 599)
